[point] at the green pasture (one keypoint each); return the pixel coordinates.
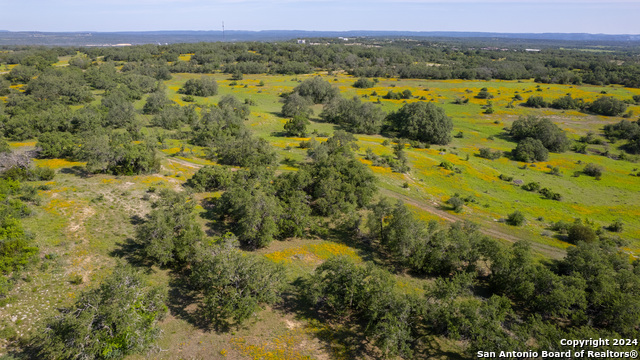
(86, 222)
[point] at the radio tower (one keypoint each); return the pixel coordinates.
(223, 31)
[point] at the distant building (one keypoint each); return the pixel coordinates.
(532, 49)
(302, 41)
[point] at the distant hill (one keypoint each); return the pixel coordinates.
(162, 37)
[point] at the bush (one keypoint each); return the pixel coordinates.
(579, 232)
(55, 145)
(580, 148)
(488, 154)
(594, 170)
(234, 285)
(295, 105)
(561, 226)
(363, 83)
(567, 103)
(456, 204)
(536, 102)
(552, 137)
(530, 150)
(317, 90)
(205, 86)
(114, 320)
(505, 177)
(549, 194)
(156, 102)
(484, 94)
(171, 231)
(354, 115)
(210, 178)
(41, 173)
(608, 106)
(447, 165)
(516, 218)
(532, 186)
(616, 226)
(296, 126)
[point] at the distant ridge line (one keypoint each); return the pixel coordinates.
(85, 38)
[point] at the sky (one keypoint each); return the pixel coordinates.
(511, 16)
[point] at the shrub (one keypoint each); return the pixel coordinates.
(317, 90)
(549, 194)
(295, 104)
(234, 285)
(116, 319)
(530, 150)
(447, 165)
(505, 177)
(205, 86)
(55, 145)
(561, 226)
(516, 218)
(296, 126)
(594, 170)
(579, 232)
(535, 102)
(210, 178)
(554, 170)
(484, 94)
(608, 106)
(456, 204)
(580, 148)
(532, 186)
(354, 115)
(616, 226)
(363, 83)
(171, 231)
(488, 154)
(552, 137)
(567, 103)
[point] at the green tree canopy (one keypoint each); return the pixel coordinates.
(422, 121)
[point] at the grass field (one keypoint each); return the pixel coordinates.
(85, 222)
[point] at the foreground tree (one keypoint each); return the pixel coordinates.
(114, 320)
(234, 285)
(171, 232)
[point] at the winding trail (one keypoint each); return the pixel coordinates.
(548, 251)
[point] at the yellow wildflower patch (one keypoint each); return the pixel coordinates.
(283, 347)
(58, 163)
(22, 144)
(313, 254)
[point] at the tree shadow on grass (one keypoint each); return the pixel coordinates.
(215, 223)
(182, 302)
(79, 171)
(429, 348)
(133, 253)
(368, 249)
(344, 338)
